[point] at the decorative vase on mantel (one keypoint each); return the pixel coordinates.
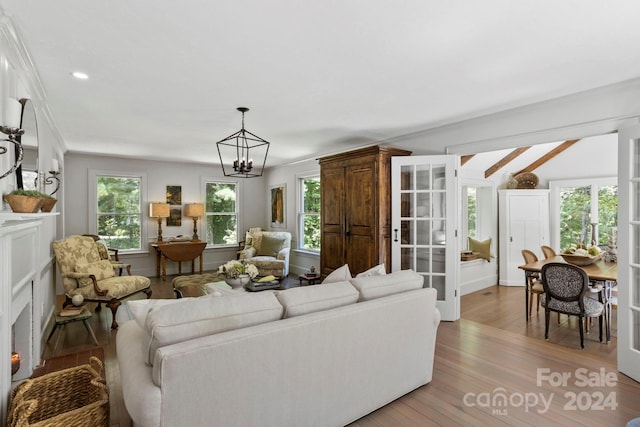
(238, 282)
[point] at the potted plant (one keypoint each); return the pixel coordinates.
(29, 201)
(24, 201)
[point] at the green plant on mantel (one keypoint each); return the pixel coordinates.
(31, 193)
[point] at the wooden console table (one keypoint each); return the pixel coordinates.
(178, 252)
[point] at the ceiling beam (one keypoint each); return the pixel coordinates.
(465, 159)
(504, 161)
(550, 155)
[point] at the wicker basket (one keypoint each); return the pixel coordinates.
(527, 180)
(48, 204)
(71, 397)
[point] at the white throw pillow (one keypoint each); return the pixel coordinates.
(378, 270)
(338, 275)
(373, 287)
(309, 299)
(199, 317)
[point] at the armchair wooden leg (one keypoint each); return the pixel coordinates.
(147, 292)
(113, 305)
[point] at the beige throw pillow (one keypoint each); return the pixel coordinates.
(482, 247)
(270, 246)
(338, 275)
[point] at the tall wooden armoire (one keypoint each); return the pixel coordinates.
(356, 209)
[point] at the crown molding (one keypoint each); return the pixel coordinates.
(18, 55)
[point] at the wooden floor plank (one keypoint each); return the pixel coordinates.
(491, 348)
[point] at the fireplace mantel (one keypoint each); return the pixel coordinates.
(19, 299)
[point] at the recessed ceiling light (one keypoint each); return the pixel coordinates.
(80, 75)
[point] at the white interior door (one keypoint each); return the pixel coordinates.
(629, 252)
(424, 224)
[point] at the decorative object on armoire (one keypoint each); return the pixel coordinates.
(48, 202)
(356, 209)
(239, 150)
(24, 201)
(194, 211)
(512, 182)
(527, 180)
(159, 210)
(13, 111)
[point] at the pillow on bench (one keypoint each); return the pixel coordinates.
(199, 317)
(373, 287)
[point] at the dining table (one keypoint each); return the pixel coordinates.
(602, 274)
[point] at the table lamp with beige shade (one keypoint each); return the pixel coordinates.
(195, 211)
(159, 210)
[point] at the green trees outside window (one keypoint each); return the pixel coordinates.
(575, 214)
(119, 211)
(309, 217)
(221, 213)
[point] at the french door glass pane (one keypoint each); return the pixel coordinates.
(423, 177)
(406, 259)
(406, 231)
(635, 287)
(423, 261)
(635, 244)
(635, 328)
(424, 232)
(438, 282)
(406, 177)
(635, 154)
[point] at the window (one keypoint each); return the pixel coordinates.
(309, 213)
(117, 211)
(578, 204)
(221, 212)
(478, 218)
(472, 214)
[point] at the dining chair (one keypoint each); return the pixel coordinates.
(565, 291)
(535, 287)
(548, 252)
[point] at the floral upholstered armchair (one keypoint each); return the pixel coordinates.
(85, 273)
(269, 251)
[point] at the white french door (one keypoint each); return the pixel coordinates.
(629, 251)
(424, 224)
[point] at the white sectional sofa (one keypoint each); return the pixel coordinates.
(322, 355)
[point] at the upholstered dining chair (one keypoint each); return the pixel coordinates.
(548, 252)
(565, 291)
(85, 273)
(535, 287)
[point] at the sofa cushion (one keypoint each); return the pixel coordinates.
(373, 287)
(270, 245)
(378, 270)
(309, 299)
(140, 308)
(101, 269)
(198, 317)
(338, 275)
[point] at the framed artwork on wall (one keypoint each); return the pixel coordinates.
(175, 216)
(174, 198)
(278, 206)
(174, 194)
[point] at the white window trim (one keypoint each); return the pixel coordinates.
(93, 204)
(554, 199)
(300, 208)
(239, 206)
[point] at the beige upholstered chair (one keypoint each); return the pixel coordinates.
(85, 273)
(110, 254)
(269, 251)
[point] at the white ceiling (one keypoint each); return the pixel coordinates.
(319, 76)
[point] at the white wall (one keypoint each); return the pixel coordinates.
(300, 261)
(253, 202)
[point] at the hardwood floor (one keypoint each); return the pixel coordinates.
(490, 353)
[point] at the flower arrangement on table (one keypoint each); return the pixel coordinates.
(234, 269)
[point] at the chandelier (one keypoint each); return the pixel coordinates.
(238, 151)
